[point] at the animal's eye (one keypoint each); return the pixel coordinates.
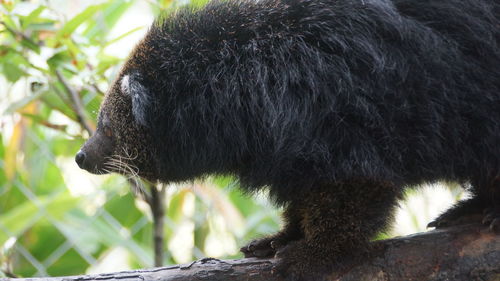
(108, 132)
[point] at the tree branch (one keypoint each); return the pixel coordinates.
(76, 103)
(154, 196)
(158, 210)
(461, 253)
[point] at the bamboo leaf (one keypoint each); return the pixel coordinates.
(123, 35)
(30, 45)
(2, 148)
(175, 206)
(56, 102)
(32, 16)
(12, 72)
(75, 22)
(110, 16)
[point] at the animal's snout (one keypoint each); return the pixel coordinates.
(93, 154)
(80, 159)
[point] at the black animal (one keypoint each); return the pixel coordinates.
(335, 106)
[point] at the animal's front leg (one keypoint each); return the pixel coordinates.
(338, 221)
(267, 246)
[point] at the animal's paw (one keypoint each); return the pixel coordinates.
(492, 218)
(447, 220)
(456, 216)
(262, 248)
(299, 261)
(468, 211)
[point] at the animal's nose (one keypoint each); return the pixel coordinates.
(80, 158)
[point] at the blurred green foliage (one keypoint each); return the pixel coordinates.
(47, 225)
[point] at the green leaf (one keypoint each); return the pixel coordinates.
(47, 25)
(54, 101)
(32, 16)
(92, 101)
(20, 36)
(40, 235)
(58, 59)
(62, 60)
(30, 45)
(10, 22)
(57, 206)
(12, 72)
(175, 206)
(2, 148)
(105, 62)
(243, 203)
(117, 204)
(65, 146)
(197, 4)
(224, 181)
(123, 35)
(71, 263)
(14, 57)
(107, 20)
(45, 176)
(75, 22)
(87, 239)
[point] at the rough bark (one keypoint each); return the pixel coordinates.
(461, 253)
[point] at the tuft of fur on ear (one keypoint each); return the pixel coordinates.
(141, 97)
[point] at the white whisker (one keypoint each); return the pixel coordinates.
(122, 165)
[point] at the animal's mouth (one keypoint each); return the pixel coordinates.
(112, 164)
(96, 171)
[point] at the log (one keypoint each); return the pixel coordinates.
(460, 253)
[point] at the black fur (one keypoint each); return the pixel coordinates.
(294, 93)
(333, 97)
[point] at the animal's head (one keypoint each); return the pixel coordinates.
(121, 142)
(164, 118)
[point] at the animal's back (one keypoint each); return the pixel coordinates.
(401, 91)
(470, 97)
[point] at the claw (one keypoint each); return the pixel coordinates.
(432, 224)
(495, 225)
(488, 218)
(438, 223)
(487, 211)
(258, 248)
(492, 218)
(274, 244)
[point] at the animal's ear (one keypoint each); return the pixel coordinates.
(131, 85)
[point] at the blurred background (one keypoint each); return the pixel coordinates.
(57, 59)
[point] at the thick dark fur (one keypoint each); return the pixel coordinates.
(335, 106)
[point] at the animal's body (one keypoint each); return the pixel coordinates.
(335, 106)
